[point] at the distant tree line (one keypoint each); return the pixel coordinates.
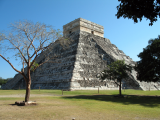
(3, 81)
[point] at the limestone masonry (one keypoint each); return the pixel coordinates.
(78, 66)
(83, 25)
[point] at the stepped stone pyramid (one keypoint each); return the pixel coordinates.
(78, 66)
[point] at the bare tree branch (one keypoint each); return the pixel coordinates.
(18, 50)
(11, 64)
(29, 41)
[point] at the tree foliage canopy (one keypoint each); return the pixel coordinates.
(148, 67)
(137, 9)
(117, 70)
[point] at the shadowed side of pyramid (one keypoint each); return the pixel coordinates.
(94, 53)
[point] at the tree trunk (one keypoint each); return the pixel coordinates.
(120, 88)
(28, 85)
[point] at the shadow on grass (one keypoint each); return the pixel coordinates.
(13, 104)
(147, 101)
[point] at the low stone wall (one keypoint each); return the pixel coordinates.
(95, 88)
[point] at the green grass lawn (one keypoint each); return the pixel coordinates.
(81, 92)
(82, 105)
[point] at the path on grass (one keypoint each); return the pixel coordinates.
(32, 95)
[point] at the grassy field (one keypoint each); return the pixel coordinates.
(81, 105)
(81, 92)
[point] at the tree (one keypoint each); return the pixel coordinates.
(148, 67)
(137, 9)
(3, 81)
(116, 71)
(29, 41)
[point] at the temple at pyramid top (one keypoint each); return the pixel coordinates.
(81, 24)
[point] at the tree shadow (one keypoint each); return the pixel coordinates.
(13, 104)
(147, 101)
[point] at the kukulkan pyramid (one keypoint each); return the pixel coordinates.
(78, 67)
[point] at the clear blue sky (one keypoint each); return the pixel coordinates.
(124, 33)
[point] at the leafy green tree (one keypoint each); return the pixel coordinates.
(117, 71)
(137, 9)
(27, 41)
(3, 81)
(148, 67)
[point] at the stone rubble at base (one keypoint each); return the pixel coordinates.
(78, 66)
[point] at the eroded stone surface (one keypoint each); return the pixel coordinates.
(22, 103)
